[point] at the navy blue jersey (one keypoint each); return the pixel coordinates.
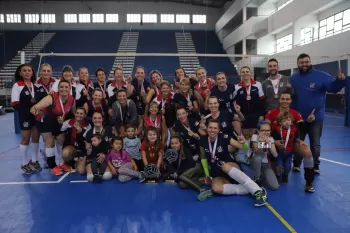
(221, 153)
(180, 100)
(189, 142)
(107, 133)
(103, 87)
(225, 98)
(136, 95)
(225, 119)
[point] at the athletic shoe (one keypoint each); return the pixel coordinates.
(65, 167)
(204, 194)
(43, 155)
(141, 177)
(56, 171)
(309, 188)
(35, 166)
(261, 197)
(27, 169)
(97, 178)
(317, 169)
(296, 169)
(284, 179)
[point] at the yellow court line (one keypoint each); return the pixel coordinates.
(283, 221)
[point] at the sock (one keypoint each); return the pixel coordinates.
(237, 189)
(24, 151)
(59, 160)
(243, 179)
(50, 155)
(35, 151)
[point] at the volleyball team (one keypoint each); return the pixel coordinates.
(190, 133)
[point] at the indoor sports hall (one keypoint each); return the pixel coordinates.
(219, 35)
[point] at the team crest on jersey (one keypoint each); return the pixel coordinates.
(26, 92)
(281, 84)
(25, 124)
(197, 123)
(231, 96)
(223, 124)
(225, 136)
(241, 92)
(312, 85)
(76, 144)
(220, 149)
(106, 139)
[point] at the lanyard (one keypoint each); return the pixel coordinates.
(213, 150)
(103, 88)
(248, 89)
(163, 103)
(204, 82)
(287, 137)
(62, 107)
(157, 91)
(47, 87)
(93, 105)
(94, 131)
(121, 112)
(155, 124)
(275, 88)
(31, 89)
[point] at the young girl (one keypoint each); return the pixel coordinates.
(121, 164)
(263, 144)
(152, 148)
(185, 170)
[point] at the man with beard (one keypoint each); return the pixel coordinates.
(310, 88)
(274, 85)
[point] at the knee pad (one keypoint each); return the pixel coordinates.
(309, 162)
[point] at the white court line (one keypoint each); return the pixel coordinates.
(336, 162)
(334, 116)
(79, 181)
(38, 182)
(62, 178)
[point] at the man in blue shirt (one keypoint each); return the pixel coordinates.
(310, 88)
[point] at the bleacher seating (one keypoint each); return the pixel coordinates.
(158, 42)
(82, 42)
(11, 42)
(208, 42)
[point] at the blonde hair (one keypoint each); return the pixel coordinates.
(186, 81)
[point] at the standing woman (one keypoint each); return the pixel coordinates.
(46, 79)
(96, 104)
(180, 74)
(50, 113)
(250, 96)
(101, 82)
(85, 86)
(23, 96)
(203, 86)
(118, 84)
(67, 74)
(156, 79)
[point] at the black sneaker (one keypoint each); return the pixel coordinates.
(285, 179)
(317, 169)
(97, 178)
(27, 169)
(309, 188)
(35, 166)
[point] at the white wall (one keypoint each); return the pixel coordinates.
(229, 14)
(309, 21)
(121, 8)
(266, 44)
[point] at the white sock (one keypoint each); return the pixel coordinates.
(59, 160)
(24, 151)
(50, 152)
(243, 179)
(237, 189)
(35, 151)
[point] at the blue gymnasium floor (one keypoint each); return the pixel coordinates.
(56, 204)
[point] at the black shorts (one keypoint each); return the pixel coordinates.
(26, 122)
(49, 125)
(139, 164)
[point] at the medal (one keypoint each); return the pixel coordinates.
(189, 104)
(248, 98)
(276, 96)
(212, 150)
(32, 93)
(33, 100)
(190, 133)
(248, 92)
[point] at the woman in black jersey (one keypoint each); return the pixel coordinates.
(85, 86)
(96, 104)
(102, 82)
(74, 146)
(220, 168)
(24, 95)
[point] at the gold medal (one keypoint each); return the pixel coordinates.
(190, 133)
(189, 104)
(33, 100)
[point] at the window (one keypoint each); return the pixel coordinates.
(48, 18)
(182, 18)
(84, 18)
(13, 18)
(335, 24)
(284, 4)
(2, 19)
(98, 18)
(112, 18)
(31, 18)
(167, 18)
(70, 18)
(149, 18)
(306, 36)
(284, 43)
(133, 18)
(199, 19)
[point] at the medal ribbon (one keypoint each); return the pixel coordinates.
(212, 150)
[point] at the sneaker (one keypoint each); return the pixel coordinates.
(141, 177)
(97, 178)
(27, 169)
(261, 197)
(317, 169)
(56, 171)
(296, 168)
(204, 194)
(43, 155)
(284, 179)
(309, 188)
(35, 166)
(65, 167)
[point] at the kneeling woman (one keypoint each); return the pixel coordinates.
(74, 145)
(224, 172)
(50, 114)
